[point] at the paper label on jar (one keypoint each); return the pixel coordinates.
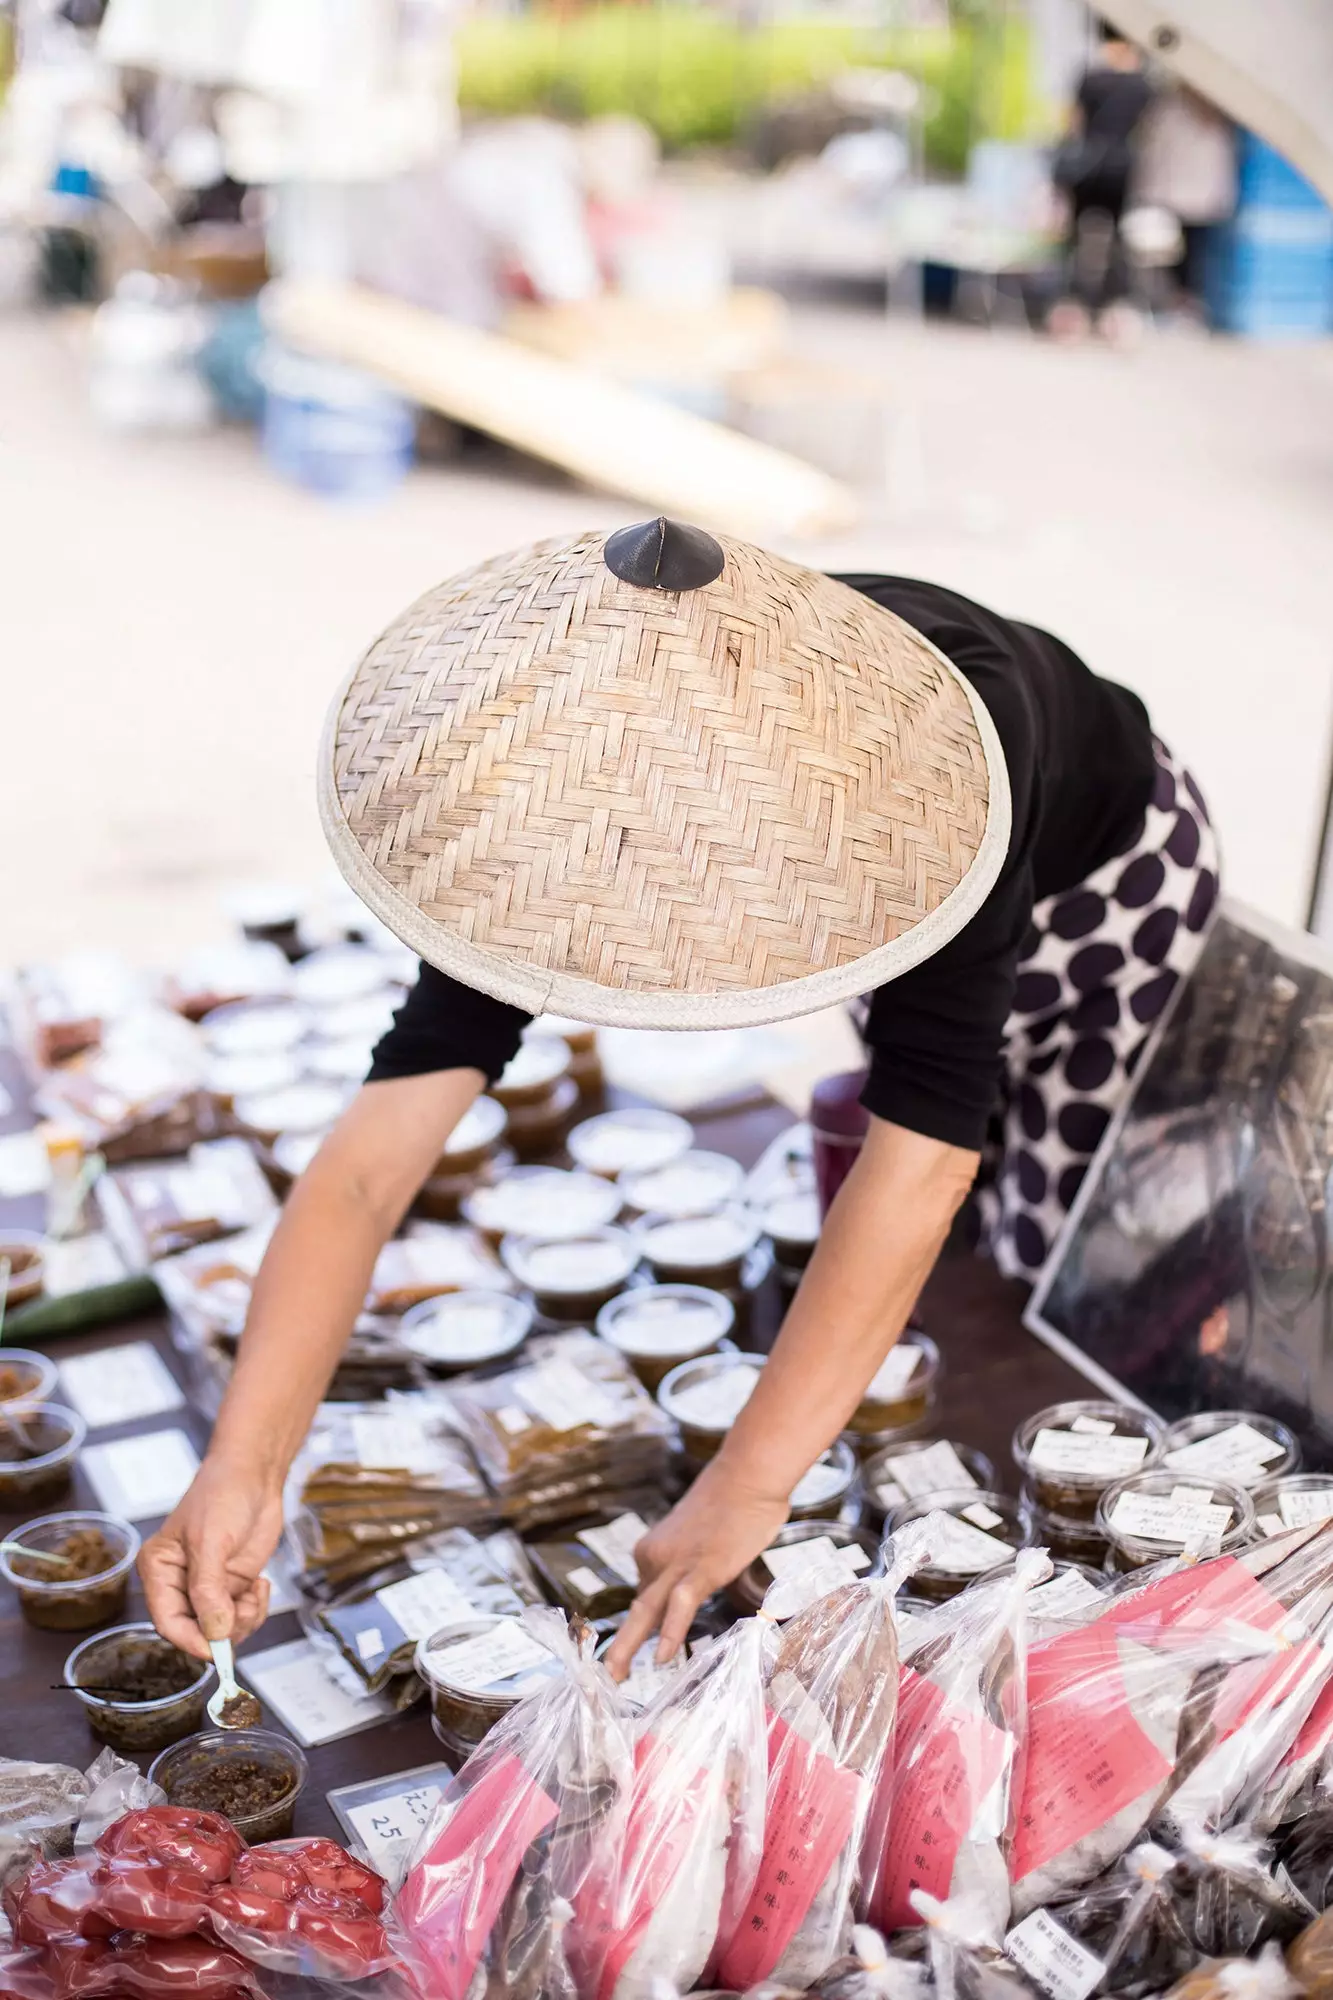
(386, 1442)
(1272, 1524)
(586, 1582)
(1176, 1517)
(512, 1420)
(389, 1828)
(422, 1603)
(1063, 1596)
(25, 1167)
(120, 1385)
(1092, 1457)
(981, 1516)
(937, 1469)
(889, 1496)
(717, 1401)
(615, 1545)
(1300, 1510)
(820, 1483)
(1060, 1965)
(794, 1558)
(497, 1655)
(141, 1478)
(308, 1697)
(1238, 1452)
(1086, 1426)
(894, 1373)
(370, 1643)
(563, 1398)
(962, 1550)
(946, 1761)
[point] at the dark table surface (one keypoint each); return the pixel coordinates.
(995, 1374)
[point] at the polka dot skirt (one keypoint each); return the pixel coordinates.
(1098, 967)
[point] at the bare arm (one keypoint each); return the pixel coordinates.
(201, 1571)
(881, 1239)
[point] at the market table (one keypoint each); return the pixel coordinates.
(995, 1374)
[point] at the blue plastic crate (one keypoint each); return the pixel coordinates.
(1276, 319)
(1264, 176)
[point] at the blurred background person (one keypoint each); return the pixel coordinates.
(1186, 163)
(1094, 165)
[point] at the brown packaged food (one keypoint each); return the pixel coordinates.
(78, 1573)
(38, 1446)
(591, 1569)
(433, 1257)
(138, 1691)
(154, 1210)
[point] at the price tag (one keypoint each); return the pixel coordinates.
(615, 1545)
(308, 1698)
(1062, 1596)
(889, 1496)
(717, 1401)
(141, 1478)
(1239, 1452)
(1299, 1510)
(937, 1469)
(1086, 1426)
(389, 1828)
(586, 1582)
(820, 1483)
(370, 1643)
(894, 1373)
(1095, 1457)
(422, 1603)
(981, 1516)
(961, 1549)
(1272, 1524)
(563, 1398)
(24, 1166)
(120, 1385)
(506, 1650)
(1177, 1517)
(81, 1263)
(385, 1442)
(1060, 1965)
(793, 1558)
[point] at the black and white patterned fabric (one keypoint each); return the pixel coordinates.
(1098, 967)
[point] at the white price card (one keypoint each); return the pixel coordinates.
(24, 1166)
(1063, 1596)
(819, 1484)
(384, 1441)
(562, 1397)
(717, 1401)
(1086, 1426)
(1179, 1517)
(586, 1582)
(422, 1603)
(389, 1828)
(120, 1385)
(1090, 1454)
(1239, 1452)
(615, 1545)
(1061, 1966)
(141, 1478)
(894, 1373)
(306, 1695)
(794, 1558)
(498, 1655)
(962, 1550)
(937, 1469)
(1299, 1510)
(981, 1516)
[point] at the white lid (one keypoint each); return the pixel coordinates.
(691, 1185)
(338, 973)
(540, 1059)
(302, 1107)
(252, 1027)
(480, 1125)
(463, 1328)
(543, 1201)
(574, 1264)
(665, 1319)
(629, 1141)
(700, 1240)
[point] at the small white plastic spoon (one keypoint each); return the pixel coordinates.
(244, 1709)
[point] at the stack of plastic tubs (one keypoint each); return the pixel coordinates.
(1270, 269)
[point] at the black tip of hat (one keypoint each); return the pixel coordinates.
(664, 555)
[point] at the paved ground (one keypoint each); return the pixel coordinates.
(172, 618)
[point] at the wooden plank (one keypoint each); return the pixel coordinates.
(610, 435)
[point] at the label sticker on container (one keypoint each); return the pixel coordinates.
(1093, 1457)
(498, 1655)
(1063, 1596)
(894, 1373)
(294, 1682)
(386, 1442)
(370, 1643)
(937, 1469)
(141, 1478)
(793, 1558)
(25, 1168)
(120, 1385)
(1100, 1427)
(585, 1581)
(1238, 1452)
(422, 1603)
(889, 1496)
(981, 1516)
(1060, 1965)
(562, 1397)
(961, 1550)
(1272, 1524)
(513, 1420)
(820, 1483)
(615, 1545)
(1299, 1510)
(716, 1401)
(1176, 1517)
(389, 1828)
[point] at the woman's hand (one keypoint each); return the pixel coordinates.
(201, 1571)
(708, 1537)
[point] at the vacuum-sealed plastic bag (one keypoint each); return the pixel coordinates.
(946, 1798)
(695, 1829)
(1125, 1934)
(1233, 1899)
(535, 1817)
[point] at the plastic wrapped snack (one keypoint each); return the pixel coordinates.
(1306, 1856)
(532, 1822)
(945, 1800)
(155, 1208)
(1126, 1934)
(964, 1953)
(139, 1096)
(1233, 1900)
(570, 1423)
(695, 1830)
(433, 1257)
(69, 1004)
(1262, 1978)
(1303, 1782)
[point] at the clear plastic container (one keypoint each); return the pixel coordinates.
(462, 1330)
(912, 1468)
(537, 1129)
(25, 1253)
(337, 973)
(253, 1028)
(792, 1225)
(1167, 1514)
(466, 1701)
(545, 1202)
(474, 1138)
(573, 1277)
(540, 1063)
(1293, 1502)
(708, 1250)
(346, 1061)
(900, 1396)
(253, 1777)
(1070, 1453)
(1069, 1537)
(704, 1398)
(656, 1327)
(987, 1524)
(38, 1446)
(26, 1377)
(695, 1184)
(1241, 1446)
(98, 1548)
(629, 1141)
(228, 1077)
(303, 1107)
(750, 1588)
(828, 1491)
(127, 1659)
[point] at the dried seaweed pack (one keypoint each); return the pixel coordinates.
(945, 1799)
(535, 1816)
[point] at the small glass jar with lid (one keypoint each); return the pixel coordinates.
(1296, 1500)
(1153, 1515)
(705, 1397)
(572, 1278)
(913, 1468)
(633, 1140)
(903, 1390)
(657, 1327)
(1070, 1453)
(1241, 1446)
(830, 1490)
(979, 1532)
(476, 1670)
(544, 1202)
(709, 1250)
(855, 1550)
(698, 1183)
(463, 1330)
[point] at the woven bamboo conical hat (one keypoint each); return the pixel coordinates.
(662, 781)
